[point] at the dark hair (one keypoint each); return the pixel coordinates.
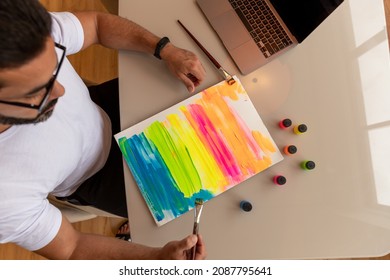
(25, 26)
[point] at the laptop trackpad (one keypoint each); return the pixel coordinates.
(231, 30)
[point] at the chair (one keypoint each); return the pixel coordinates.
(76, 213)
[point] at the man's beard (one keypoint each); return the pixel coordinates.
(43, 116)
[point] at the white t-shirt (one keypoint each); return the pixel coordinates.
(54, 156)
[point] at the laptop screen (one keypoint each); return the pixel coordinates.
(303, 16)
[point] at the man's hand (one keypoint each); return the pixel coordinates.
(178, 250)
(185, 65)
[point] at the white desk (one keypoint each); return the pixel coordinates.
(338, 83)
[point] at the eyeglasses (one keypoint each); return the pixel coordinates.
(48, 87)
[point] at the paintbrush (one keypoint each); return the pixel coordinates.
(229, 79)
(197, 212)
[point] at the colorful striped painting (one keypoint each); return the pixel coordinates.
(198, 148)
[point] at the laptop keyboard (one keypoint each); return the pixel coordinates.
(262, 24)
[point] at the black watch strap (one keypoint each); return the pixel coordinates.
(160, 45)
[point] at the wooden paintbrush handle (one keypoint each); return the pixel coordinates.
(215, 62)
(194, 231)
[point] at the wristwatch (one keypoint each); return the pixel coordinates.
(160, 45)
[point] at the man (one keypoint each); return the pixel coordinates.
(53, 138)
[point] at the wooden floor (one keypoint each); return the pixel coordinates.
(104, 68)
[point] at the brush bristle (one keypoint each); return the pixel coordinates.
(198, 201)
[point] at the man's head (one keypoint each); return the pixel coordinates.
(27, 62)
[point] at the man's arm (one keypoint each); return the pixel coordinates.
(72, 244)
(119, 33)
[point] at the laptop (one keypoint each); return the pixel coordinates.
(256, 31)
